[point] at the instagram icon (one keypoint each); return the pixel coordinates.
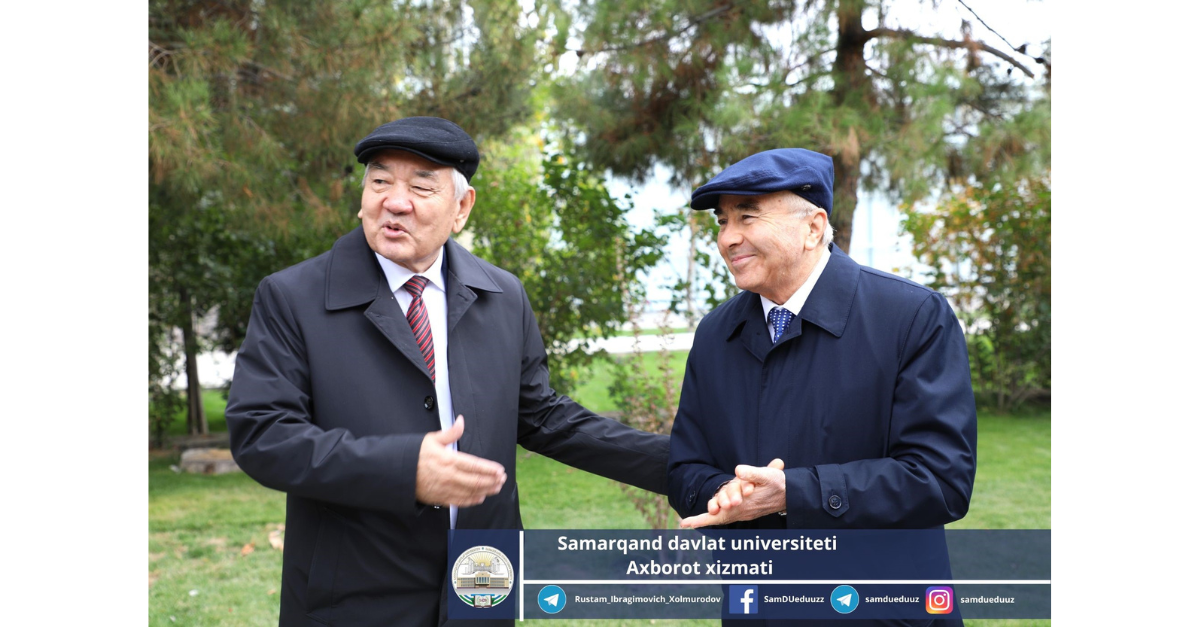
(939, 600)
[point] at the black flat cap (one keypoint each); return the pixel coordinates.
(440, 141)
(806, 173)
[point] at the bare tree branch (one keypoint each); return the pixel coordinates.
(947, 43)
(810, 59)
(985, 25)
(159, 55)
(807, 78)
(1019, 50)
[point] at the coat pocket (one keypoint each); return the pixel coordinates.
(320, 598)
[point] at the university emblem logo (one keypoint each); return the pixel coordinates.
(483, 576)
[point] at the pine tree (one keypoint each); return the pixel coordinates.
(254, 109)
(696, 85)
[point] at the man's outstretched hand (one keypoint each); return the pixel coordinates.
(756, 492)
(447, 477)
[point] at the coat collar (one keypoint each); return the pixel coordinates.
(827, 307)
(355, 277)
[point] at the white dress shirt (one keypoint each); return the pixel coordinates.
(435, 304)
(796, 301)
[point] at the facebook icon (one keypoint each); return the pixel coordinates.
(743, 599)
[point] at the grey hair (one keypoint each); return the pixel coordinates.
(806, 209)
(460, 182)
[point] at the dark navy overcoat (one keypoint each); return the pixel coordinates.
(867, 399)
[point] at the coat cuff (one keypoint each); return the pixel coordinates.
(698, 502)
(815, 496)
(802, 492)
(406, 468)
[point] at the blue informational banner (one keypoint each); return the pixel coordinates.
(733, 574)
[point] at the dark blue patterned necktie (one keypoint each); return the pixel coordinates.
(780, 319)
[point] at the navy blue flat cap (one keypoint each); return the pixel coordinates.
(809, 174)
(440, 141)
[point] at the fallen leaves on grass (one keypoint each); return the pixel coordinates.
(248, 549)
(276, 538)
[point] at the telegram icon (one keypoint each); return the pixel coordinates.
(844, 599)
(552, 599)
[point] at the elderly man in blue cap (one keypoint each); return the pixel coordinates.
(826, 394)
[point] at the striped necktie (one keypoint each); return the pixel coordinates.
(418, 319)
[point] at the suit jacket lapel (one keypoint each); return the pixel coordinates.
(464, 275)
(385, 314)
(752, 326)
(828, 306)
(354, 279)
(458, 298)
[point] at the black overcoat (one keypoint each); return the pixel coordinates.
(331, 399)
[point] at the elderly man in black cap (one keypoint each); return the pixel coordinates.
(355, 363)
(827, 394)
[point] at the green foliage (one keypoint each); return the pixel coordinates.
(555, 225)
(709, 278)
(254, 110)
(694, 87)
(248, 165)
(988, 247)
(646, 398)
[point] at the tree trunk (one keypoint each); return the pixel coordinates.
(197, 423)
(693, 235)
(851, 92)
(845, 198)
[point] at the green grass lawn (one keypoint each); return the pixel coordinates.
(653, 331)
(1012, 479)
(648, 330)
(214, 412)
(200, 524)
(593, 393)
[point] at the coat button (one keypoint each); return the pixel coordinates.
(430, 403)
(835, 502)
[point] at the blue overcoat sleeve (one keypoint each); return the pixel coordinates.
(691, 478)
(926, 476)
